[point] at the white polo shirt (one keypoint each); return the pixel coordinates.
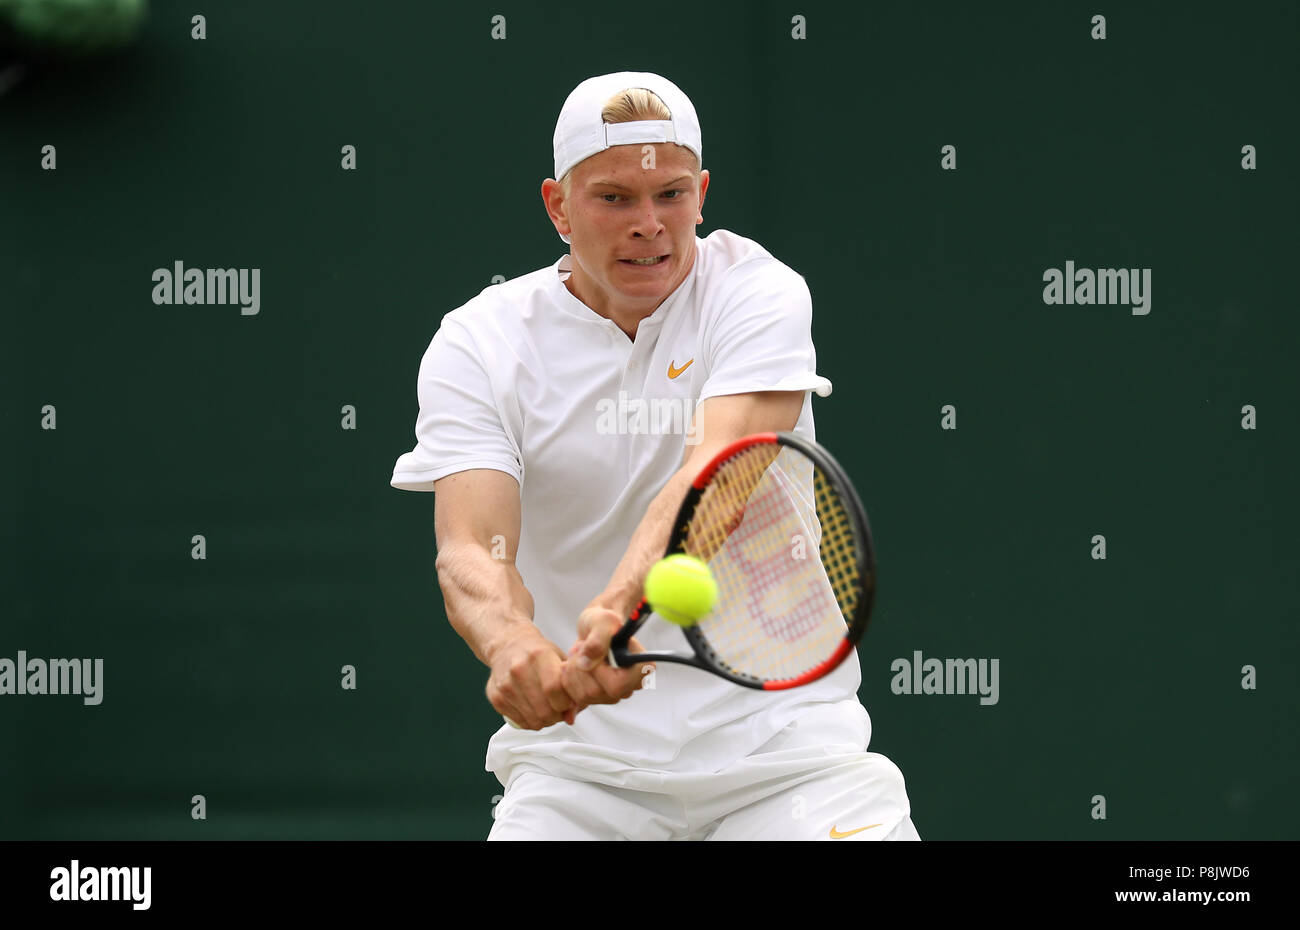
(528, 380)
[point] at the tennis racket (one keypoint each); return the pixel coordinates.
(783, 531)
(785, 536)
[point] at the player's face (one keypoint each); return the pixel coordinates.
(618, 211)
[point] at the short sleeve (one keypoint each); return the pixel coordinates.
(760, 336)
(459, 426)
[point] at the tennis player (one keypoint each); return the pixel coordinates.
(562, 416)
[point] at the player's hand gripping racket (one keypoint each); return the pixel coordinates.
(787, 541)
(785, 536)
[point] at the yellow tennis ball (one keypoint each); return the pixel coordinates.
(680, 589)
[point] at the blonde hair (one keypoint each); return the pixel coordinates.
(629, 106)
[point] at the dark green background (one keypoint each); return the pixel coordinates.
(1119, 678)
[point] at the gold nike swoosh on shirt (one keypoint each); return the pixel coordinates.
(837, 835)
(674, 371)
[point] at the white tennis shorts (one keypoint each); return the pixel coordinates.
(813, 781)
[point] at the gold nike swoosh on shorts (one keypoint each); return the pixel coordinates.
(837, 835)
(674, 371)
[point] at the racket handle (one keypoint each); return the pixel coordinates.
(511, 722)
(624, 636)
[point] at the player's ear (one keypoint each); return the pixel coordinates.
(704, 186)
(556, 208)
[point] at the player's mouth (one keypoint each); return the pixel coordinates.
(645, 262)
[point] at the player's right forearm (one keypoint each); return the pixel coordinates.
(487, 603)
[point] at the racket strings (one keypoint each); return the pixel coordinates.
(783, 553)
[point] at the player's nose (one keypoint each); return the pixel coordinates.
(647, 224)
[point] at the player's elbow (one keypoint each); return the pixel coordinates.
(451, 564)
(466, 568)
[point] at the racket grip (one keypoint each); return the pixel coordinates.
(511, 722)
(624, 636)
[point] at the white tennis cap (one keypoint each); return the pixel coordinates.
(580, 132)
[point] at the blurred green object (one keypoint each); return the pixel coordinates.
(74, 26)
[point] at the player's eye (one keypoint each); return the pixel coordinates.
(678, 191)
(607, 197)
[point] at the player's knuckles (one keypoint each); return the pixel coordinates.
(510, 684)
(521, 674)
(556, 694)
(571, 679)
(584, 689)
(517, 671)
